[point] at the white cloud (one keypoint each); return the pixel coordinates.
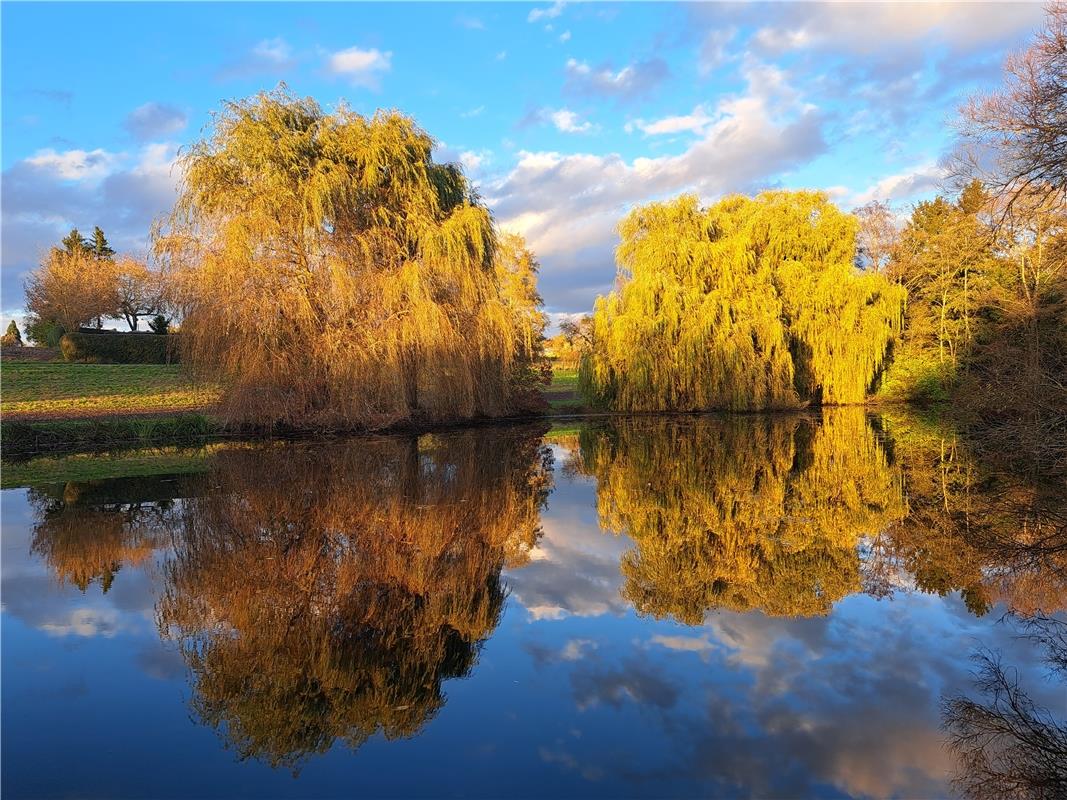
(74, 165)
(576, 649)
(695, 122)
(85, 622)
(567, 121)
(361, 67)
(267, 57)
(501, 55)
(474, 112)
(713, 50)
(51, 192)
(470, 23)
(631, 81)
(863, 28)
(567, 205)
(551, 12)
(565, 36)
(904, 185)
(153, 120)
(474, 160)
(573, 570)
(275, 51)
(683, 644)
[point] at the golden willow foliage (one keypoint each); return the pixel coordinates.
(326, 593)
(87, 538)
(993, 534)
(744, 512)
(333, 275)
(751, 303)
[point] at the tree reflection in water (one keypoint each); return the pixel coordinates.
(788, 514)
(1007, 746)
(86, 532)
(323, 593)
(741, 512)
(993, 533)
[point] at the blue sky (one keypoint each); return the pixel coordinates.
(565, 115)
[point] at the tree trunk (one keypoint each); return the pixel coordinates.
(411, 383)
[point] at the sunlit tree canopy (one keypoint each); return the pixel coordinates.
(333, 274)
(750, 303)
(742, 513)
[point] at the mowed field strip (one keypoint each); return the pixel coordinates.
(69, 391)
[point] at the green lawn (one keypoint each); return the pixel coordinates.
(93, 466)
(62, 391)
(562, 394)
(564, 379)
(44, 391)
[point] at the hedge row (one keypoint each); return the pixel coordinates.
(20, 439)
(119, 348)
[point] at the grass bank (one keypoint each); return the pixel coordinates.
(24, 437)
(562, 394)
(56, 391)
(94, 466)
(51, 407)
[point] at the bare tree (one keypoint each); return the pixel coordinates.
(1015, 140)
(877, 236)
(141, 290)
(1007, 746)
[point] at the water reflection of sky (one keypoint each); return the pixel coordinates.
(574, 694)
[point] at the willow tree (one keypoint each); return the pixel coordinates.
(333, 274)
(311, 608)
(742, 513)
(696, 322)
(750, 303)
(516, 271)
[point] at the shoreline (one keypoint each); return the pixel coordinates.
(23, 439)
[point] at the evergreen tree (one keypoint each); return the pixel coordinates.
(12, 338)
(99, 245)
(74, 242)
(159, 324)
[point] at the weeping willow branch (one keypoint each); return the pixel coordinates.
(333, 275)
(752, 303)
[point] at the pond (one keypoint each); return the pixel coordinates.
(710, 605)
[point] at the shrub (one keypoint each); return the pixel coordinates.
(119, 348)
(159, 325)
(12, 338)
(21, 438)
(918, 378)
(44, 332)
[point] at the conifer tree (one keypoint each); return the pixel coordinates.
(12, 338)
(74, 243)
(99, 245)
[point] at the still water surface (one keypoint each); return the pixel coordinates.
(730, 606)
